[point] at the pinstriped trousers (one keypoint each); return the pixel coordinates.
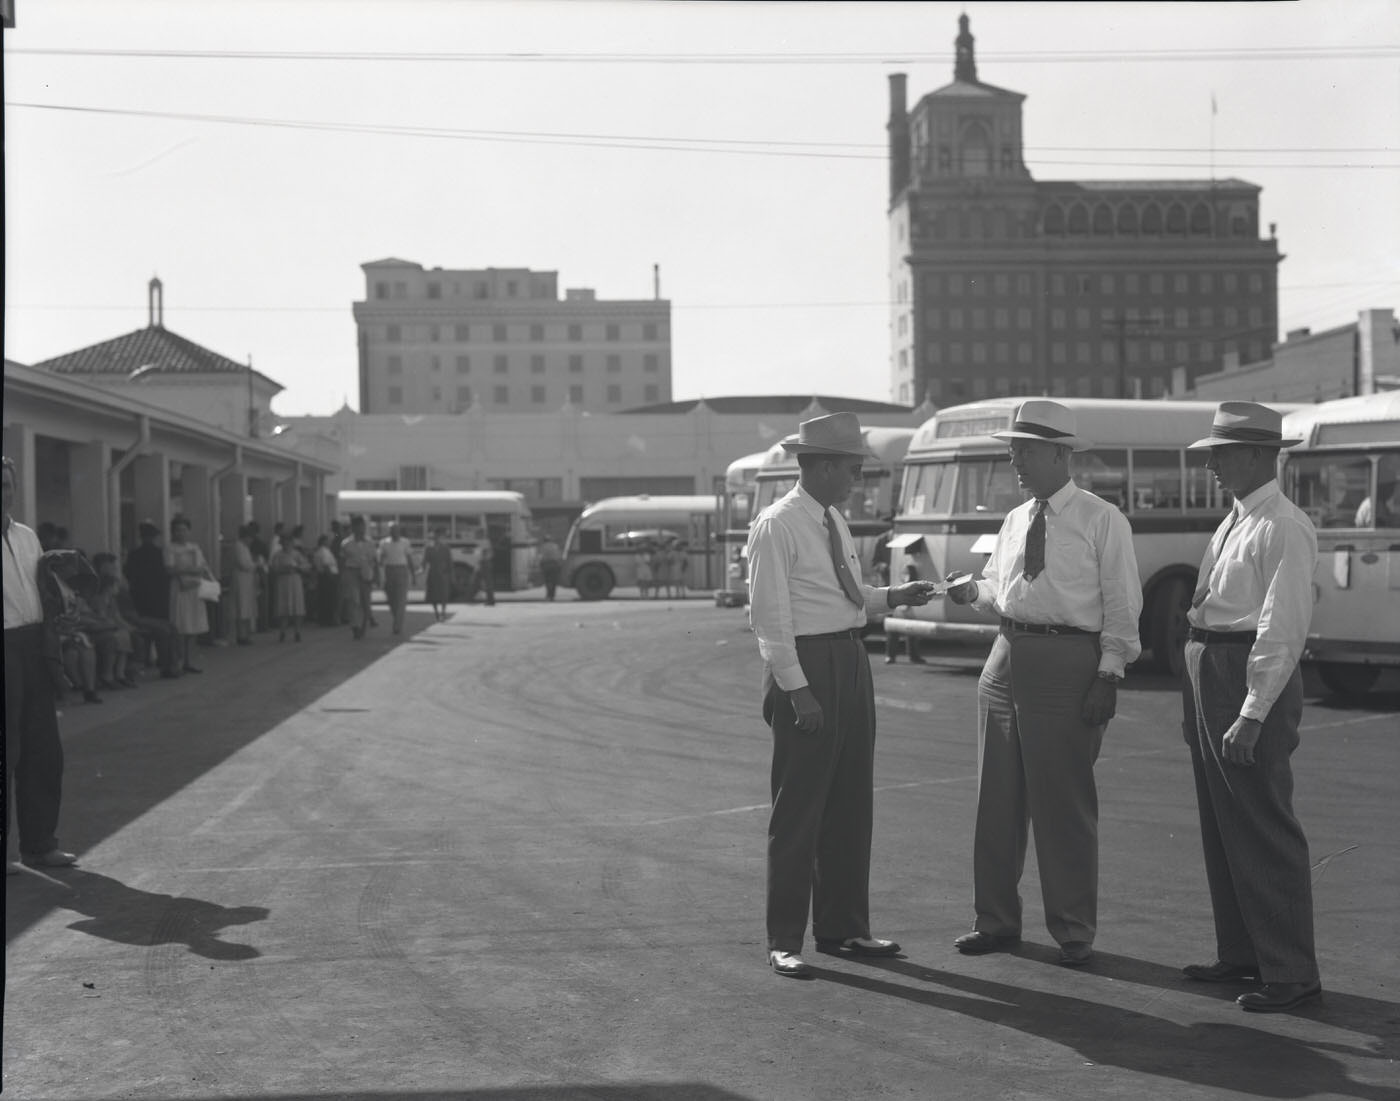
(823, 799)
(1256, 855)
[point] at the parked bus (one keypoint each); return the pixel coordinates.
(603, 544)
(1346, 476)
(466, 517)
(959, 485)
(736, 510)
(871, 505)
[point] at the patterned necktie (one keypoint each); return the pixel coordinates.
(849, 585)
(1217, 547)
(1035, 543)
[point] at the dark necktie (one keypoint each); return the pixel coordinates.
(849, 585)
(1208, 567)
(1035, 543)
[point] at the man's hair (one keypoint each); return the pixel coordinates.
(807, 460)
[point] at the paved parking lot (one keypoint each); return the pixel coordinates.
(520, 855)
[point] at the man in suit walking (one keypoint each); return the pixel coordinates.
(1242, 703)
(807, 607)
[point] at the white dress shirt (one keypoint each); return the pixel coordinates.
(22, 604)
(396, 552)
(1261, 580)
(793, 588)
(1090, 579)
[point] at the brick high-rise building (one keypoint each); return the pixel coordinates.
(1003, 284)
(436, 341)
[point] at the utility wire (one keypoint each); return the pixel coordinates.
(770, 148)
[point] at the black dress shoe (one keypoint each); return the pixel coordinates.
(979, 943)
(1076, 953)
(789, 965)
(858, 946)
(1219, 971)
(1277, 997)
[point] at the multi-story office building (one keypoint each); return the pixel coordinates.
(501, 339)
(1002, 284)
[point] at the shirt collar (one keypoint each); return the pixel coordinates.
(1060, 498)
(810, 504)
(1265, 492)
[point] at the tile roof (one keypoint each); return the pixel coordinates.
(149, 347)
(774, 403)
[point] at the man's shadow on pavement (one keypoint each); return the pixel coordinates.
(129, 916)
(1205, 1053)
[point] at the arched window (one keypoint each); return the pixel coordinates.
(1127, 220)
(1103, 220)
(1152, 219)
(976, 151)
(1055, 221)
(1176, 220)
(1078, 220)
(1200, 220)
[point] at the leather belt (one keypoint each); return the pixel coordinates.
(850, 633)
(1200, 634)
(1043, 628)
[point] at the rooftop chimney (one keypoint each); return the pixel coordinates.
(155, 304)
(898, 127)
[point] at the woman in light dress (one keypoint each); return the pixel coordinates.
(288, 592)
(185, 564)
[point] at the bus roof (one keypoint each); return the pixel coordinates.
(1368, 418)
(430, 500)
(1105, 422)
(742, 470)
(647, 504)
(888, 445)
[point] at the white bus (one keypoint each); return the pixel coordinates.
(466, 518)
(736, 510)
(871, 505)
(601, 551)
(959, 485)
(1346, 476)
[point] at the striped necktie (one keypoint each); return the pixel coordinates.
(1217, 547)
(849, 585)
(1035, 542)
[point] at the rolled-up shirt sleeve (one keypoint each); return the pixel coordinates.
(1119, 583)
(1289, 554)
(771, 556)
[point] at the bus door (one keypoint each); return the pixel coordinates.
(500, 532)
(704, 552)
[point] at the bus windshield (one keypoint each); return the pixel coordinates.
(1335, 488)
(968, 485)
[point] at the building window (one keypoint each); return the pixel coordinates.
(1001, 317)
(537, 333)
(435, 364)
(1108, 284)
(614, 363)
(381, 290)
(1232, 317)
(437, 395)
(652, 392)
(1058, 319)
(434, 333)
(1232, 283)
(979, 352)
(1081, 317)
(498, 334)
(1207, 282)
(464, 365)
(649, 331)
(1024, 354)
(651, 363)
(462, 333)
(1059, 355)
(1156, 284)
(575, 332)
(501, 364)
(612, 332)
(400, 290)
(537, 395)
(396, 395)
(393, 334)
(614, 394)
(1023, 317)
(979, 318)
(576, 364)
(501, 395)
(481, 290)
(1256, 283)
(576, 395)
(537, 364)
(955, 318)
(396, 365)
(1181, 317)
(434, 290)
(1207, 317)
(511, 288)
(1130, 283)
(464, 395)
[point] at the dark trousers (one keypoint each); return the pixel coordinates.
(823, 802)
(1256, 855)
(33, 752)
(328, 599)
(551, 571)
(1035, 771)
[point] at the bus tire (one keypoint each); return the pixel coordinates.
(1167, 623)
(593, 582)
(1347, 680)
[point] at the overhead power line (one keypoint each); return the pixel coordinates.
(1371, 51)
(751, 147)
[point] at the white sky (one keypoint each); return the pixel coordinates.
(774, 257)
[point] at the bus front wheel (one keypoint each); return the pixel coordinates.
(1347, 680)
(1168, 625)
(593, 582)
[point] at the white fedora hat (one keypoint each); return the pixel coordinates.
(1245, 422)
(834, 434)
(1049, 421)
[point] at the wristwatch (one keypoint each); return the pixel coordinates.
(1112, 678)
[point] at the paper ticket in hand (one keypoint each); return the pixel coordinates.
(941, 588)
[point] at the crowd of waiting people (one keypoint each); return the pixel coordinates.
(118, 619)
(663, 568)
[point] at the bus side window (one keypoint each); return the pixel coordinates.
(1156, 480)
(1102, 473)
(590, 540)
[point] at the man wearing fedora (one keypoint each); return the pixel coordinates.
(1242, 702)
(1064, 581)
(807, 606)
